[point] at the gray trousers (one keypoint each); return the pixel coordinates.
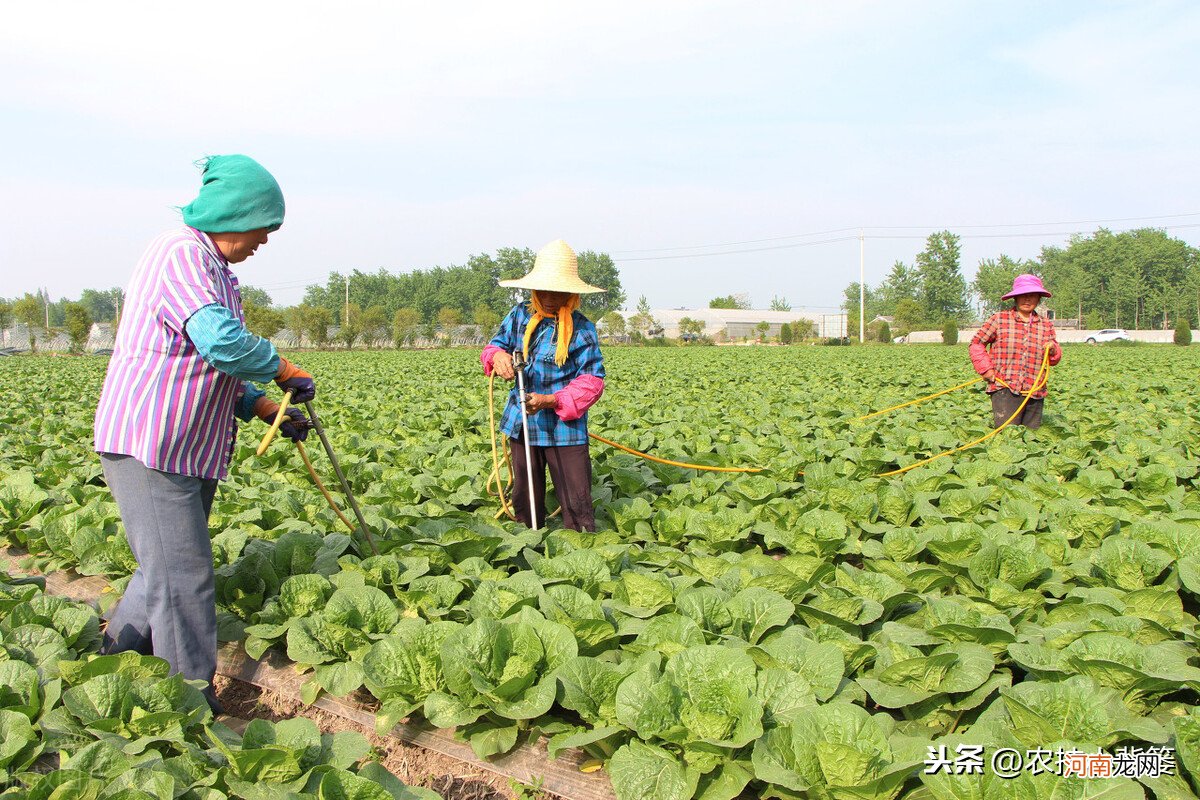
(169, 608)
(1005, 404)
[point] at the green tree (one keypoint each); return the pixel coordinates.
(486, 318)
(909, 316)
(374, 324)
(255, 295)
(78, 323)
(850, 303)
(762, 329)
(739, 301)
(101, 305)
(643, 320)
(802, 329)
(780, 304)
(312, 322)
(691, 327)
(725, 301)
(1127, 278)
(351, 327)
(404, 325)
(994, 279)
(598, 269)
(449, 318)
(30, 312)
(885, 332)
(5, 314)
(785, 333)
(902, 283)
(943, 289)
(1183, 330)
(613, 324)
(950, 332)
(262, 320)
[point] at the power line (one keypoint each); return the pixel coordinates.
(1034, 235)
(747, 250)
(904, 227)
(734, 244)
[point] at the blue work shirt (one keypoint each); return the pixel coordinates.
(543, 376)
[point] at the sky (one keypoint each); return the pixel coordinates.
(710, 148)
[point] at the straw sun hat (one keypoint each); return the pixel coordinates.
(556, 269)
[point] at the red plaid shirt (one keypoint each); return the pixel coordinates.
(1014, 349)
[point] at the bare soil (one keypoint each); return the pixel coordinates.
(416, 766)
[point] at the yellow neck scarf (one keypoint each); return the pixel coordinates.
(566, 326)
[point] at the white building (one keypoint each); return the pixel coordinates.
(737, 323)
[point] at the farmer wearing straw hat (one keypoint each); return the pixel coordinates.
(563, 379)
(1009, 346)
(183, 366)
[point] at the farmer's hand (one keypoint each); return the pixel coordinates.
(990, 376)
(295, 425)
(300, 383)
(538, 402)
(502, 365)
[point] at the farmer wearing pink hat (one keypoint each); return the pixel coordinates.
(1009, 347)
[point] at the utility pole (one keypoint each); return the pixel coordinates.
(346, 316)
(862, 286)
(46, 300)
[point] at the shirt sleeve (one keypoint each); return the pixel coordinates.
(225, 344)
(244, 410)
(186, 285)
(579, 395)
(980, 359)
(485, 358)
(1056, 351)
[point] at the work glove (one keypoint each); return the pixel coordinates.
(297, 380)
(295, 425)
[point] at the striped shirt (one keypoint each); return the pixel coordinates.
(161, 403)
(543, 376)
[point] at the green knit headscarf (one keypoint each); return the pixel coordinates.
(236, 195)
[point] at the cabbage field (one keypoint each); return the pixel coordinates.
(810, 631)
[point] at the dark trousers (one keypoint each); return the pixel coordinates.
(571, 471)
(1005, 404)
(169, 607)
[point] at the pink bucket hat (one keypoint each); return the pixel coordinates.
(1027, 284)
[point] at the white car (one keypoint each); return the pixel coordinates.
(1108, 335)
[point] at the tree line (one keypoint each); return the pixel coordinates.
(357, 305)
(1139, 279)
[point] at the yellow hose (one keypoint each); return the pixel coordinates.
(1040, 381)
(657, 460)
(497, 486)
(962, 385)
(279, 415)
(317, 480)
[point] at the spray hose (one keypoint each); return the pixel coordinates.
(498, 486)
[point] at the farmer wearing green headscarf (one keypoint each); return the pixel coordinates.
(182, 368)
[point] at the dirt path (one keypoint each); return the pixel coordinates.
(416, 766)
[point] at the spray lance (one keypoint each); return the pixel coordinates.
(519, 364)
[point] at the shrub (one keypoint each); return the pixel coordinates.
(1183, 330)
(785, 333)
(885, 333)
(950, 332)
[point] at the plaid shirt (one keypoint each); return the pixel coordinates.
(1014, 349)
(543, 376)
